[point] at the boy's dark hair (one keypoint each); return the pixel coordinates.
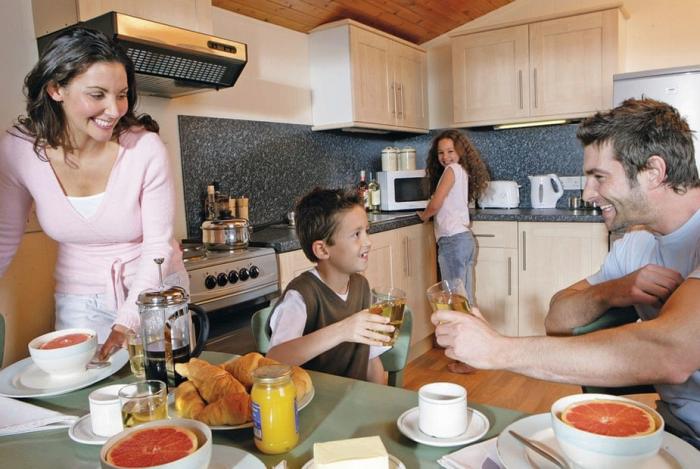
(640, 128)
(316, 216)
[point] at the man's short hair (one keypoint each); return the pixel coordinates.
(639, 129)
(317, 216)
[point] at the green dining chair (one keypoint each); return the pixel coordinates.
(258, 322)
(613, 317)
(394, 360)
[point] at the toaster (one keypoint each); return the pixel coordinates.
(500, 194)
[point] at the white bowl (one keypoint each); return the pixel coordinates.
(199, 459)
(64, 360)
(590, 450)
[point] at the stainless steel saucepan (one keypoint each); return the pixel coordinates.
(226, 235)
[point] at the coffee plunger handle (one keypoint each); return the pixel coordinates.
(159, 261)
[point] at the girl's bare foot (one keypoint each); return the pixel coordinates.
(460, 368)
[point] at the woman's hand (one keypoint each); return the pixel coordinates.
(115, 341)
(366, 328)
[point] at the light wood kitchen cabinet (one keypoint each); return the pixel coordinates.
(496, 274)
(51, 15)
(290, 265)
(364, 78)
(521, 265)
(560, 68)
(552, 256)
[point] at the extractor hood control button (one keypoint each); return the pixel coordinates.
(221, 279)
(243, 274)
(233, 277)
(254, 271)
(210, 282)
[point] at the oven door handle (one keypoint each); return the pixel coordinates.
(200, 321)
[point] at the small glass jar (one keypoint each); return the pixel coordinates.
(275, 417)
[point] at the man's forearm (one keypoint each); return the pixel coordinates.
(574, 307)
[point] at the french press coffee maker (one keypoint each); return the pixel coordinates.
(167, 331)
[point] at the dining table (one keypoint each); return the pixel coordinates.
(340, 408)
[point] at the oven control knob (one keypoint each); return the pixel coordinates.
(243, 274)
(210, 282)
(254, 271)
(232, 277)
(221, 279)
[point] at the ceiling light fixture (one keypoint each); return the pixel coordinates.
(529, 124)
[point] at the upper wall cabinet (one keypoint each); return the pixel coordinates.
(560, 68)
(363, 78)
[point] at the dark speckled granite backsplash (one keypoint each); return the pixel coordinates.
(274, 164)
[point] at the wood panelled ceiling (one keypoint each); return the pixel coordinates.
(417, 21)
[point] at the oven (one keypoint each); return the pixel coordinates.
(230, 286)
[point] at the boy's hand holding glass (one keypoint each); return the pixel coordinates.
(364, 327)
(389, 303)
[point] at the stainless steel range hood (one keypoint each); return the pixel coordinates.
(170, 61)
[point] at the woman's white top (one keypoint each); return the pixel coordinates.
(86, 206)
(453, 216)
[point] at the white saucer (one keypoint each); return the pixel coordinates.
(478, 426)
(394, 463)
(173, 413)
(81, 432)
(25, 379)
(674, 452)
(228, 457)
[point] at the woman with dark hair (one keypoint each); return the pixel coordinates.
(101, 182)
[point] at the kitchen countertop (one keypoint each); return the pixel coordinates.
(283, 238)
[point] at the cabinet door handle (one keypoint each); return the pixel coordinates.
(406, 267)
(484, 235)
(510, 271)
(524, 252)
(393, 93)
(520, 87)
(401, 100)
(534, 78)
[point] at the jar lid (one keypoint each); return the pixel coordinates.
(166, 297)
(272, 374)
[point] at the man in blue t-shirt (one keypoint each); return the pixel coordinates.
(640, 170)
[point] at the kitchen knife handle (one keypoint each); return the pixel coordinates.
(520, 87)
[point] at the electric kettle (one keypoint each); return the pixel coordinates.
(545, 190)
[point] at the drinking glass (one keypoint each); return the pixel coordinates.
(134, 344)
(449, 294)
(389, 302)
(143, 401)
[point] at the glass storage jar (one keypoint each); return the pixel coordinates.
(275, 417)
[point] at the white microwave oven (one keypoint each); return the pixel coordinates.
(403, 190)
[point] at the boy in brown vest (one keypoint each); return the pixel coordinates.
(322, 321)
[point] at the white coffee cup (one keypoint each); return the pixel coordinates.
(106, 410)
(442, 410)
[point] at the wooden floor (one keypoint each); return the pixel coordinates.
(497, 388)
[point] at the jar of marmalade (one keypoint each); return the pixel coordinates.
(275, 418)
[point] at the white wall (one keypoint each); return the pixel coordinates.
(659, 34)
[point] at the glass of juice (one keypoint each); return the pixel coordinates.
(134, 344)
(143, 401)
(449, 294)
(390, 303)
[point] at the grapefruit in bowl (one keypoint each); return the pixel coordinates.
(604, 431)
(63, 352)
(161, 444)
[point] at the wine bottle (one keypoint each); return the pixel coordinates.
(363, 191)
(374, 193)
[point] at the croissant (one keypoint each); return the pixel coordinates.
(188, 402)
(232, 409)
(212, 381)
(242, 368)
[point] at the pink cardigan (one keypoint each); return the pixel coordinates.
(111, 252)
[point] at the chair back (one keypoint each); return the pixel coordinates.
(613, 317)
(2, 338)
(395, 359)
(258, 323)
